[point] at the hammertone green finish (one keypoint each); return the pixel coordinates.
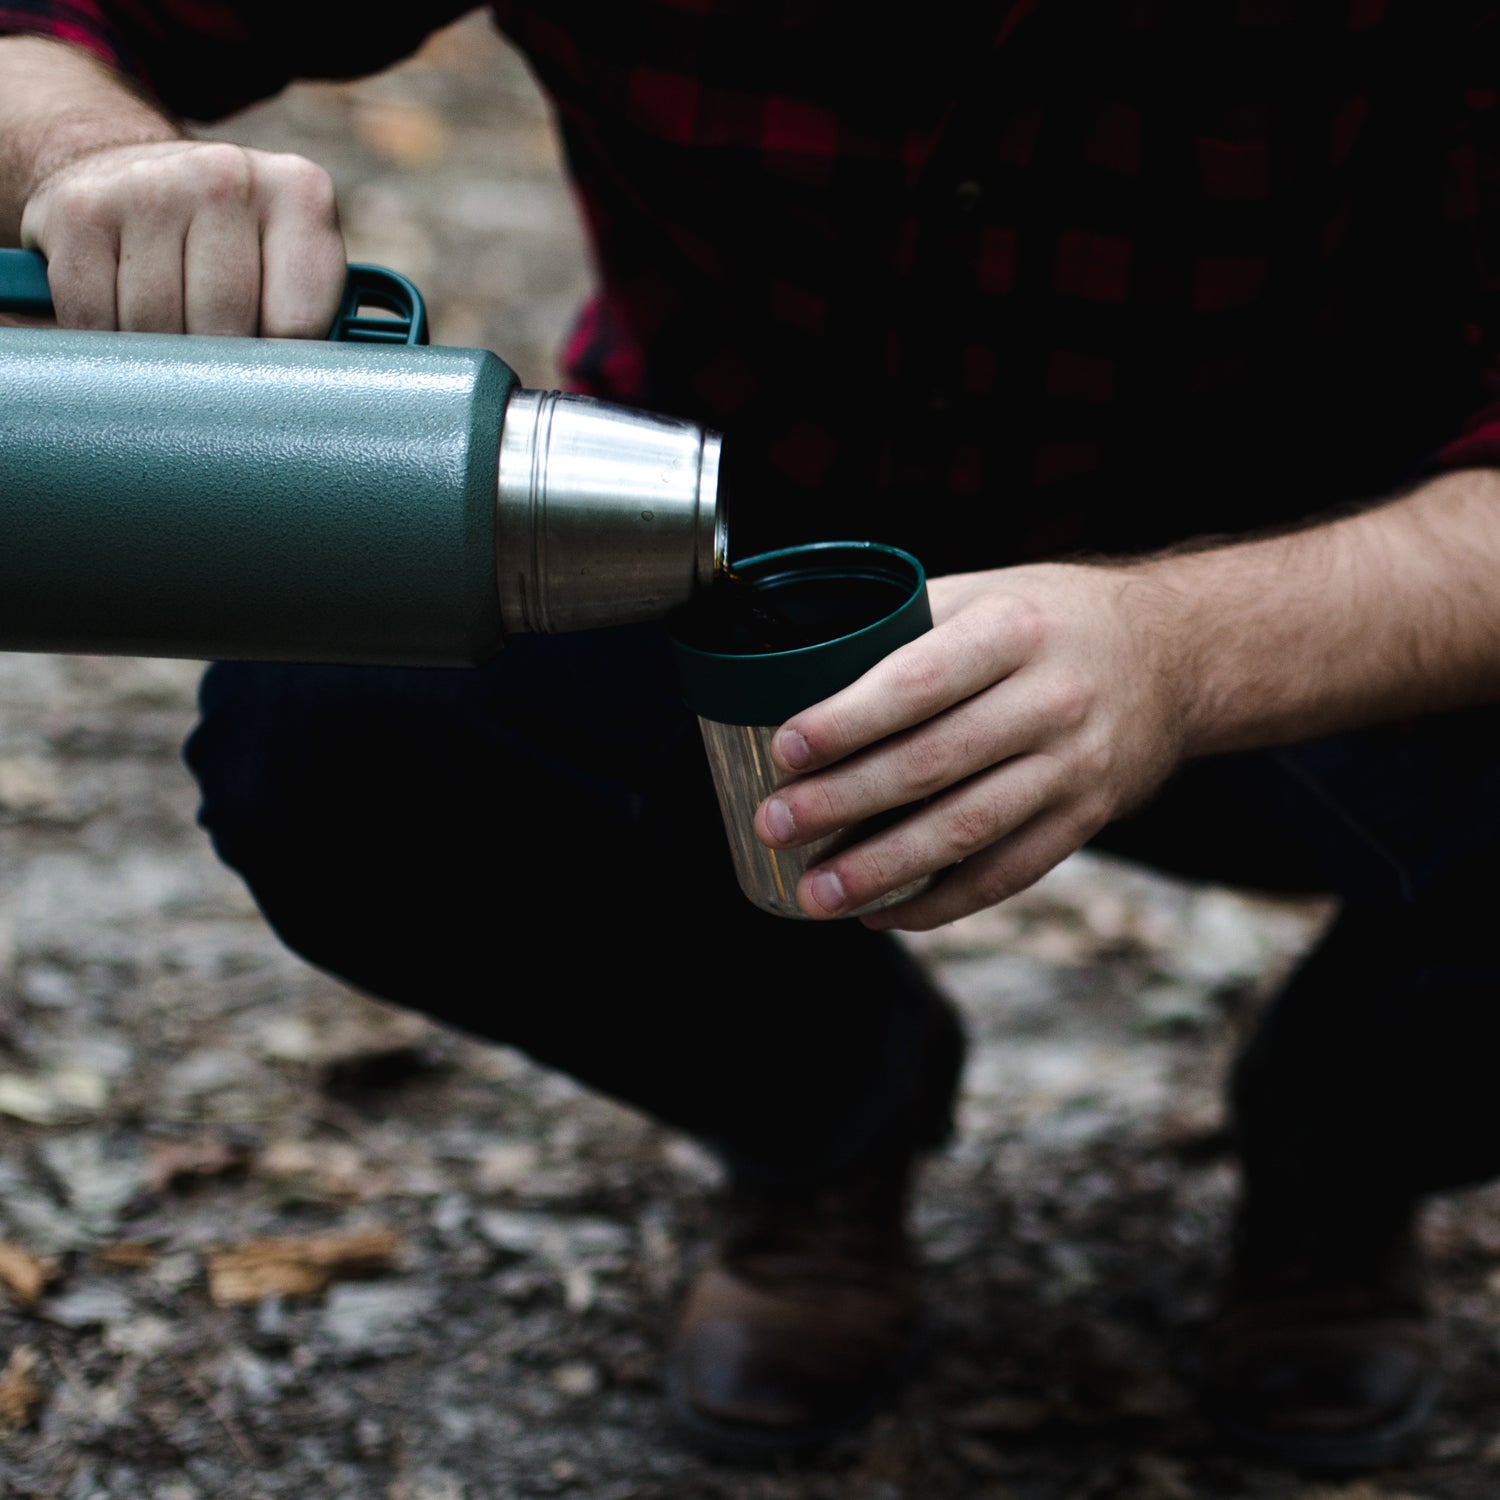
(262, 499)
(767, 688)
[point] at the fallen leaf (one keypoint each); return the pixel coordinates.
(181, 1163)
(322, 1170)
(27, 1275)
(296, 1266)
(20, 1392)
(577, 1379)
(506, 1166)
(63, 1097)
(126, 1253)
(1358, 1491)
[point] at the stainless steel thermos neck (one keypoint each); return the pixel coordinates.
(368, 500)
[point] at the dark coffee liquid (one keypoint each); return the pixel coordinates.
(736, 616)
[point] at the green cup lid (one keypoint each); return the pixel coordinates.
(785, 629)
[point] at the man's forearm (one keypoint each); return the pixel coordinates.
(1050, 699)
(1374, 617)
(59, 103)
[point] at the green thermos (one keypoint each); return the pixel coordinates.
(367, 500)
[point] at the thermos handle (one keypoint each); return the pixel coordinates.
(24, 289)
(374, 286)
(23, 284)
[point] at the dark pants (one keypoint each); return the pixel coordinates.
(531, 851)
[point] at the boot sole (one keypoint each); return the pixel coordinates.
(1343, 1454)
(744, 1445)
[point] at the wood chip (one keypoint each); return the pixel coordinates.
(296, 1266)
(1357, 1491)
(126, 1253)
(27, 1275)
(20, 1391)
(178, 1164)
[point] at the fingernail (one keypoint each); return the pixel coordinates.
(780, 823)
(792, 749)
(827, 890)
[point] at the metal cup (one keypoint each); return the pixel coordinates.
(785, 630)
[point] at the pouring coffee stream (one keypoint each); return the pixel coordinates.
(371, 499)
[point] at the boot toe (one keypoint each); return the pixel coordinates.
(757, 1370)
(1327, 1397)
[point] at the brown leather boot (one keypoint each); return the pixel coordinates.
(800, 1323)
(1325, 1356)
(803, 1318)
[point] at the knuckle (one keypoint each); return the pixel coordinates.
(865, 879)
(81, 208)
(924, 764)
(142, 190)
(1096, 762)
(1022, 867)
(994, 879)
(1018, 622)
(1071, 698)
(996, 885)
(915, 678)
(306, 185)
(968, 828)
(1090, 815)
(816, 806)
(877, 866)
(222, 173)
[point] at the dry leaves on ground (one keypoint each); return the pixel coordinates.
(27, 1275)
(126, 1254)
(1358, 1491)
(20, 1391)
(180, 1164)
(296, 1266)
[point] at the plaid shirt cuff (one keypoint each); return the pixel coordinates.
(78, 22)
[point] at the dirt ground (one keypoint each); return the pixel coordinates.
(261, 1237)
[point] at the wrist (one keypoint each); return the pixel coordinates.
(1155, 609)
(58, 105)
(1201, 647)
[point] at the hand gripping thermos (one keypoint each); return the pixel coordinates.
(366, 500)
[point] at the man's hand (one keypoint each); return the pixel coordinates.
(146, 230)
(190, 237)
(1048, 700)
(1038, 708)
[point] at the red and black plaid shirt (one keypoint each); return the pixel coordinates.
(1006, 279)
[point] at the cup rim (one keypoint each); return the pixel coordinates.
(767, 687)
(807, 549)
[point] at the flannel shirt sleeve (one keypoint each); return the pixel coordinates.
(205, 59)
(1472, 200)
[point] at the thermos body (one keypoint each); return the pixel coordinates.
(248, 498)
(363, 502)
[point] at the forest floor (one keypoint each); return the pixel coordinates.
(261, 1236)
